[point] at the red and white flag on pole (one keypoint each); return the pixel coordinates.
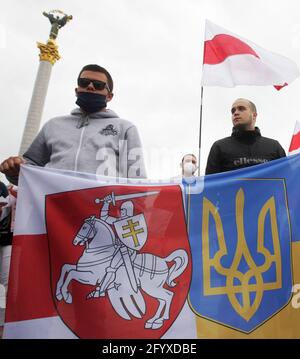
(230, 60)
(295, 142)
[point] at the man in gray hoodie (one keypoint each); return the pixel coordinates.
(91, 139)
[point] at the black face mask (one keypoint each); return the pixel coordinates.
(90, 102)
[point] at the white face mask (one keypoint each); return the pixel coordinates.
(189, 168)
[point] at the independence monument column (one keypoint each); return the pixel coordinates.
(48, 56)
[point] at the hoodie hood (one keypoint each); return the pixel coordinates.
(100, 114)
(83, 117)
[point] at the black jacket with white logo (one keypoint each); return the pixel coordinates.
(242, 149)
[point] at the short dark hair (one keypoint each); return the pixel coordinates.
(188, 154)
(97, 68)
(251, 104)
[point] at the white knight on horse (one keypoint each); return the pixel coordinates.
(115, 266)
(122, 255)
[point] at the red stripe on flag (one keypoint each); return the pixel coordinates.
(223, 46)
(29, 292)
(279, 87)
(295, 143)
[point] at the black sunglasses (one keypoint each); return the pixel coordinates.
(98, 85)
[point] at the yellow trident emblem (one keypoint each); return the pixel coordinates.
(238, 283)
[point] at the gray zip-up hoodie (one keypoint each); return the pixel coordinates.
(99, 143)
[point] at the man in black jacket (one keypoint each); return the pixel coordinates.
(245, 147)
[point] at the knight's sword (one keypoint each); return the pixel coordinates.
(129, 268)
(127, 196)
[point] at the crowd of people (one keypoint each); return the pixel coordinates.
(94, 139)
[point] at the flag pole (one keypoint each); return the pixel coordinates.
(200, 129)
(201, 106)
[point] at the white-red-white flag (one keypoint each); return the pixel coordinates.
(61, 220)
(230, 60)
(295, 142)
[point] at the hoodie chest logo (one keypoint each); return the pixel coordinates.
(109, 130)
